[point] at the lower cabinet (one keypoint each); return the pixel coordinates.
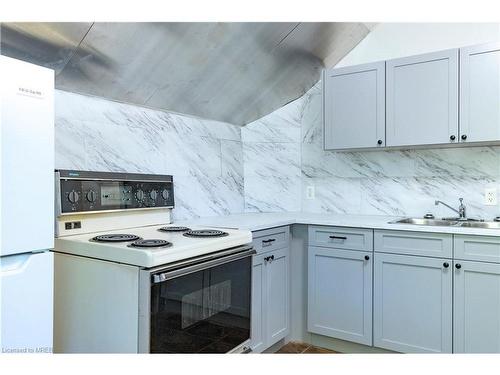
(270, 298)
(407, 296)
(410, 295)
(412, 303)
(340, 294)
(259, 291)
(476, 307)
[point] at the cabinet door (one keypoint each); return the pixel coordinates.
(476, 325)
(480, 93)
(258, 304)
(354, 106)
(422, 99)
(340, 294)
(412, 301)
(278, 300)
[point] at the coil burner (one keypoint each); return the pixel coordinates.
(150, 244)
(115, 238)
(205, 233)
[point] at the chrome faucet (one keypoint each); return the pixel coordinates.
(461, 209)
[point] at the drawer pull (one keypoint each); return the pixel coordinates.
(269, 240)
(338, 238)
(367, 257)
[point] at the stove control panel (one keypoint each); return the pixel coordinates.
(85, 191)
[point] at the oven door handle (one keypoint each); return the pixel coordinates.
(161, 277)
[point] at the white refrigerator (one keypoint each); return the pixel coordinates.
(26, 206)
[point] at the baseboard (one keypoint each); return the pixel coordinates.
(275, 347)
(343, 346)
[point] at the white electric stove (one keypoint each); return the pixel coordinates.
(152, 246)
(128, 280)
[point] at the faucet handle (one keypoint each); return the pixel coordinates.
(461, 200)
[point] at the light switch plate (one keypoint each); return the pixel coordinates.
(310, 192)
(490, 196)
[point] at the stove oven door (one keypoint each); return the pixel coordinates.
(199, 308)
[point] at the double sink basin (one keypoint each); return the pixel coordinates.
(468, 223)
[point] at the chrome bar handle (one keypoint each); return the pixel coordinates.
(161, 277)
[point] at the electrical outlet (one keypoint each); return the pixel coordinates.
(490, 196)
(310, 193)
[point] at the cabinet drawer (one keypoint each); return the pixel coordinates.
(414, 243)
(271, 239)
(341, 238)
(480, 248)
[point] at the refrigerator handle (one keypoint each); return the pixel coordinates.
(14, 264)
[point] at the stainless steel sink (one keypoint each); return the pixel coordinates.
(482, 224)
(470, 223)
(430, 222)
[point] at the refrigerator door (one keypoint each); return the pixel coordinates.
(26, 297)
(26, 157)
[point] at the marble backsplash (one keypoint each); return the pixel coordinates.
(283, 151)
(267, 165)
(205, 157)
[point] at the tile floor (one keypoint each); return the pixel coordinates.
(301, 348)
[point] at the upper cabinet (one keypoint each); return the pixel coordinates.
(354, 107)
(447, 97)
(480, 93)
(422, 99)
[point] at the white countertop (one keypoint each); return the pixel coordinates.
(259, 221)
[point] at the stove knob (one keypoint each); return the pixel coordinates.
(153, 194)
(73, 196)
(91, 196)
(165, 194)
(139, 194)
